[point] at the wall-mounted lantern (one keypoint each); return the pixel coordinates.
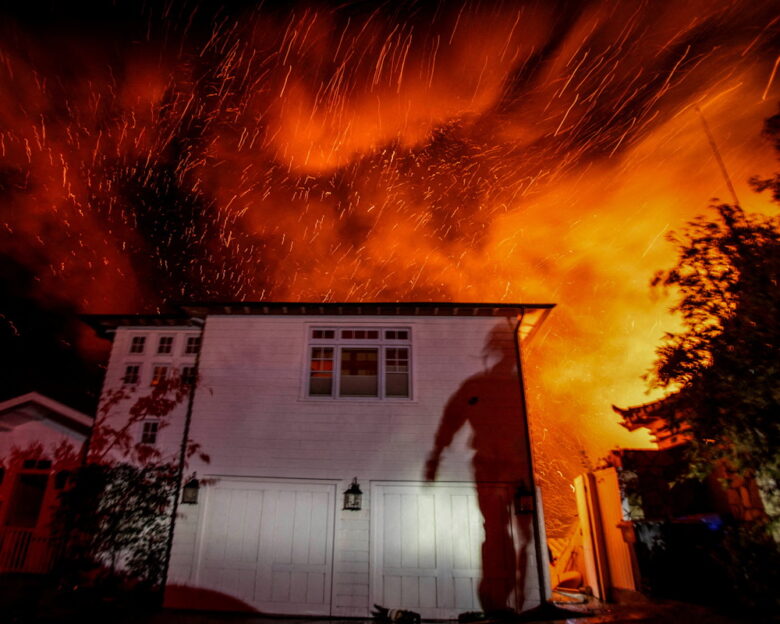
(189, 494)
(353, 497)
(524, 500)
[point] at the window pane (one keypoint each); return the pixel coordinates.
(188, 375)
(397, 372)
(149, 433)
(397, 385)
(321, 386)
(160, 372)
(132, 372)
(193, 344)
(321, 371)
(358, 372)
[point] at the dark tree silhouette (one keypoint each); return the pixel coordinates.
(726, 360)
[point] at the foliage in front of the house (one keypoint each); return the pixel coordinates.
(114, 522)
(114, 519)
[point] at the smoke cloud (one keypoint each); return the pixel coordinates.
(515, 152)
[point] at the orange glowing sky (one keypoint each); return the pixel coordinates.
(508, 152)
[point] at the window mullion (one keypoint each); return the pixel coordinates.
(381, 372)
(336, 394)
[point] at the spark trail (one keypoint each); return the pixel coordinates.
(476, 152)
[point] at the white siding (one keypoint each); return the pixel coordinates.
(169, 436)
(252, 417)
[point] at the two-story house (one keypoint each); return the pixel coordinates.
(359, 454)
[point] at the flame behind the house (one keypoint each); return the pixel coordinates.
(532, 153)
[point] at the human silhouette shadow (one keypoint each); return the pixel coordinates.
(491, 403)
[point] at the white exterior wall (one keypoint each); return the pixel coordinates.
(169, 437)
(254, 420)
(252, 417)
(252, 410)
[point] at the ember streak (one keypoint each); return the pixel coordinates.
(477, 151)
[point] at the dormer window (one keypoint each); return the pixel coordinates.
(359, 362)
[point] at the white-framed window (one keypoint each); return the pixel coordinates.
(149, 431)
(159, 373)
(359, 362)
(132, 374)
(137, 344)
(189, 375)
(192, 345)
(165, 345)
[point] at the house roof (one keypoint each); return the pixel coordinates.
(34, 406)
(664, 419)
(644, 415)
(191, 314)
(105, 324)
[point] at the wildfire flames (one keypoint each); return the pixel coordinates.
(520, 152)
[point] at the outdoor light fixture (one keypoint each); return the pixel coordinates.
(524, 500)
(189, 494)
(353, 496)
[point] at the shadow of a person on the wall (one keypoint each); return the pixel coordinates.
(491, 403)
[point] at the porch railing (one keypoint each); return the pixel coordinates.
(25, 550)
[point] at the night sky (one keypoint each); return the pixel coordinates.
(520, 152)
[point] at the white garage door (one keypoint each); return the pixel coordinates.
(269, 544)
(426, 548)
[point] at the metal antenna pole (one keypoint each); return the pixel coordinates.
(718, 158)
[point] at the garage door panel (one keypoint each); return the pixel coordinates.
(427, 547)
(466, 522)
(465, 593)
(269, 544)
(426, 543)
(392, 531)
(283, 528)
(410, 590)
(315, 588)
(301, 528)
(391, 586)
(299, 585)
(428, 592)
(410, 523)
(319, 525)
(280, 587)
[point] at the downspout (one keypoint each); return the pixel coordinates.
(182, 460)
(540, 559)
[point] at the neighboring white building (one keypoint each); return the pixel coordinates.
(40, 439)
(420, 403)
